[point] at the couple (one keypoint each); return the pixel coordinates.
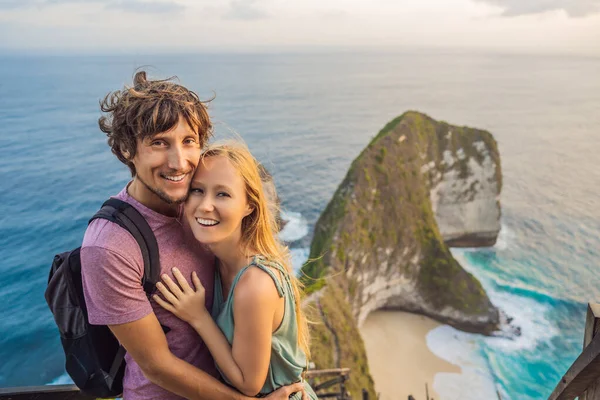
(228, 293)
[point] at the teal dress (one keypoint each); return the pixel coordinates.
(288, 361)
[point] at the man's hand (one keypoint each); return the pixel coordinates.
(284, 392)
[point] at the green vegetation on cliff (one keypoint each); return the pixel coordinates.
(380, 222)
(335, 343)
(383, 203)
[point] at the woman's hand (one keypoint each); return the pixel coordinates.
(186, 303)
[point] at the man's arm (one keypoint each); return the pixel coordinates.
(162, 368)
(145, 341)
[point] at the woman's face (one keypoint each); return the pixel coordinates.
(217, 202)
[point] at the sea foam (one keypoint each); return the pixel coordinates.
(64, 379)
(299, 257)
(475, 381)
(296, 226)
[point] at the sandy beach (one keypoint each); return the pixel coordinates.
(399, 359)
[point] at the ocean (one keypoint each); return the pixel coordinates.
(306, 117)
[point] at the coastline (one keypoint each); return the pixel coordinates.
(400, 361)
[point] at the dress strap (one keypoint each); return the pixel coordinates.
(260, 262)
(238, 276)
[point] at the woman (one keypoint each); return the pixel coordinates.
(259, 336)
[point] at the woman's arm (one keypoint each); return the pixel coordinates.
(246, 363)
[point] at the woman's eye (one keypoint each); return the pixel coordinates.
(223, 194)
(196, 190)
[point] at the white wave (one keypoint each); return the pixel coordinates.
(64, 379)
(505, 237)
(531, 316)
(296, 226)
(475, 381)
(463, 349)
(527, 313)
(299, 257)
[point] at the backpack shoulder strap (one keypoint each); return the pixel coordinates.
(127, 217)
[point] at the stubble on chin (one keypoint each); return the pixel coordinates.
(163, 196)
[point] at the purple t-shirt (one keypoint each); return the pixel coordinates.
(112, 268)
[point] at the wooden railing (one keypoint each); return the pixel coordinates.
(48, 392)
(327, 383)
(583, 377)
(323, 380)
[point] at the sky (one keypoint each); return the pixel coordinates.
(247, 25)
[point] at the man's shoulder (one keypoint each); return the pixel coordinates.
(106, 234)
(108, 247)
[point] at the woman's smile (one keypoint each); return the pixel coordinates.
(207, 222)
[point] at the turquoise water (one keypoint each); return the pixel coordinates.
(306, 116)
(552, 317)
(544, 281)
(530, 366)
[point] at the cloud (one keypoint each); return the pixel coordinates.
(147, 7)
(573, 8)
(245, 10)
(135, 6)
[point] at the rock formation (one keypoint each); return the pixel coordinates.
(381, 241)
(464, 188)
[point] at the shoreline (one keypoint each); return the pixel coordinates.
(400, 361)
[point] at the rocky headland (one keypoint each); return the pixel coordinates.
(382, 242)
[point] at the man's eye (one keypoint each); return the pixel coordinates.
(158, 143)
(191, 141)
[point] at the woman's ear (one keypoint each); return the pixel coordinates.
(249, 210)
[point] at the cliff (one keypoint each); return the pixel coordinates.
(380, 243)
(465, 179)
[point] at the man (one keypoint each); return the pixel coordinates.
(157, 128)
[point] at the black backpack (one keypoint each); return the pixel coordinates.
(94, 357)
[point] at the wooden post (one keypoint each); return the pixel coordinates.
(365, 394)
(426, 391)
(592, 326)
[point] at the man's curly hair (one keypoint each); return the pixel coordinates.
(146, 109)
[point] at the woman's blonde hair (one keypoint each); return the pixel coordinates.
(260, 227)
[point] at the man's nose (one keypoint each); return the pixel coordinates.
(176, 159)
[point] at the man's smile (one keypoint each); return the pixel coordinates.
(176, 178)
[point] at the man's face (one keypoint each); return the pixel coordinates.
(165, 164)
